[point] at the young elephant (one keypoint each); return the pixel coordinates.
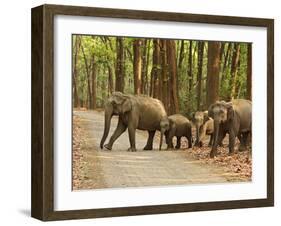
(204, 126)
(234, 118)
(175, 125)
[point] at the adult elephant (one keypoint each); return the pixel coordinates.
(135, 112)
(234, 118)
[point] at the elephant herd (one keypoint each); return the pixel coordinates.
(147, 113)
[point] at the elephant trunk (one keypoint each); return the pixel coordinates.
(216, 136)
(161, 138)
(107, 120)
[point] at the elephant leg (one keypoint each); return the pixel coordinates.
(170, 141)
(243, 141)
(132, 138)
(189, 141)
(220, 138)
(178, 143)
(149, 144)
(211, 141)
(231, 142)
(118, 131)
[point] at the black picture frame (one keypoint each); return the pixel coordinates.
(42, 203)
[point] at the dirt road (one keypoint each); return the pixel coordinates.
(119, 168)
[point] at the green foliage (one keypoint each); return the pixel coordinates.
(103, 50)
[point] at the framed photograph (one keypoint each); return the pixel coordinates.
(141, 112)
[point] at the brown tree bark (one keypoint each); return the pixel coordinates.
(199, 73)
(225, 63)
(119, 70)
(213, 69)
(249, 72)
(89, 96)
(181, 54)
(190, 76)
(137, 66)
(234, 66)
(172, 65)
(164, 94)
(146, 63)
(143, 65)
(110, 80)
(75, 72)
(155, 71)
(94, 83)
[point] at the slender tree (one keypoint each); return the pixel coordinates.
(75, 71)
(120, 70)
(199, 73)
(234, 67)
(225, 63)
(137, 66)
(164, 94)
(89, 94)
(190, 76)
(181, 54)
(155, 71)
(172, 64)
(213, 69)
(249, 71)
(94, 84)
(146, 56)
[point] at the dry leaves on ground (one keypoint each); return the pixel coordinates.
(239, 164)
(77, 154)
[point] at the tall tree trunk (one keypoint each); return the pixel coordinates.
(199, 73)
(120, 70)
(143, 65)
(181, 54)
(88, 78)
(75, 72)
(190, 76)
(225, 63)
(164, 94)
(234, 66)
(146, 63)
(94, 84)
(108, 46)
(155, 72)
(213, 69)
(110, 80)
(249, 71)
(137, 66)
(172, 62)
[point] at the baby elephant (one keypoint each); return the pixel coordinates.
(204, 126)
(175, 125)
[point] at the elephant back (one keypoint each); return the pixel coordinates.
(243, 108)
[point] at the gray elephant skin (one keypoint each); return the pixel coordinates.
(204, 126)
(135, 112)
(175, 125)
(234, 118)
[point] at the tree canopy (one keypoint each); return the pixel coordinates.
(186, 75)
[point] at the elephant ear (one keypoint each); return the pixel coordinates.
(206, 116)
(230, 111)
(127, 105)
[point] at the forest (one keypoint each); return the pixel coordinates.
(186, 75)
